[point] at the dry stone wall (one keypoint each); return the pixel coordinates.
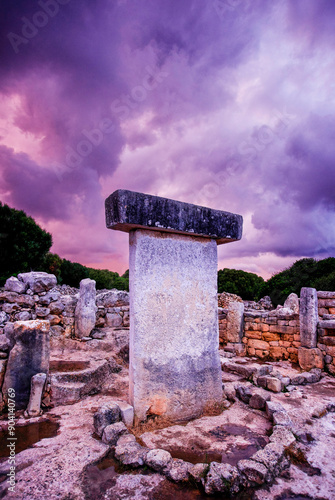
(40, 298)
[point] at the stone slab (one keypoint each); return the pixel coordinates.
(128, 210)
(29, 356)
(174, 339)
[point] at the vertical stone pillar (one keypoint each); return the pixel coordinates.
(235, 320)
(29, 356)
(309, 317)
(174, 360)
(86, 309)
(309, 356)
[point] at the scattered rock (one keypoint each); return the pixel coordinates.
(259, 399)
(15, 285)
(222, 478)
(178, 470)
(38, 281)
(130, 453)
(292, 302)
(274, 384)
(112, 432)
(106, 415)
(282, 436)
(272, 407)
(159, 460)
(255, 472)
(243, 393)
(282, 418)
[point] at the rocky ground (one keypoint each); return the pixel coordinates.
(76, 464)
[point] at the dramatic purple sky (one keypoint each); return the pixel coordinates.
(223, 103)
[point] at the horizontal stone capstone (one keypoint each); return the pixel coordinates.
(128, 210)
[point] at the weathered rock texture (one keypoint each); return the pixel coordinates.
(174, 362)
(85, 309)
(29, 356)
(36, 391)
(128, 210)
(309, 317)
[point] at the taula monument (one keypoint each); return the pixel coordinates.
(174, 359)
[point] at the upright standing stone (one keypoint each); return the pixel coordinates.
(309, 317)
(174, 360)
(29, 356)
(36, 391)
(84, 316)
(235, 318)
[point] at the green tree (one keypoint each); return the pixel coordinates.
(305, 272)
(72, 273)
(23, 243)
(246, 285)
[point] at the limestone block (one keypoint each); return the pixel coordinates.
(174, 359)
(112, 298)
(222, 478)
(178, 470)
(258, 344)
(292, 302)
(41, 312)
(130, 453)
(128, 210)
(255, 472)
(112, 432)
(159, 460)
(309, 317)
(29, 356)
(23, 316)
(235, 321)
(272, 407)
(106, 415)
(274, 384)
(310, 358)
(85, 309)
(25, 300)
(259, 399)
(36, 392)
(38, 281)
(113, 319)
(15, 285)
(56, 307)
(127, 413)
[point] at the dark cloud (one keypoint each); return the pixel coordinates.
(177, 98)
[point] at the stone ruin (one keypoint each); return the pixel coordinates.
(177, 322)
(174, 363)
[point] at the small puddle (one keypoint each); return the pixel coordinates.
(231, 452)
(99, 478)
(27, 435)
(60, 365)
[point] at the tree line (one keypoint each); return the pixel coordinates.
(25, 246)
